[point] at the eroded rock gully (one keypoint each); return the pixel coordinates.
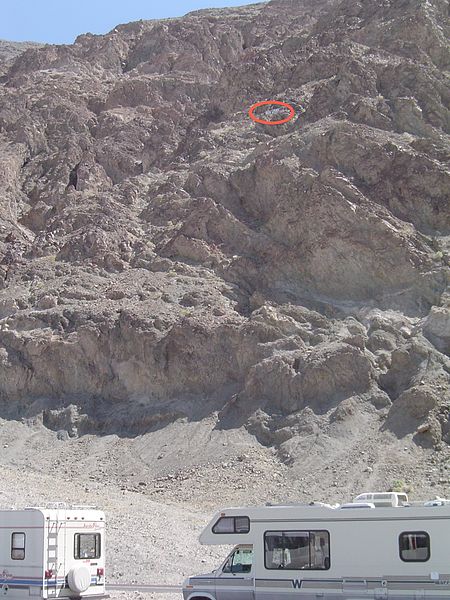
(163, 257)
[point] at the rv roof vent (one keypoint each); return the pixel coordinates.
(358, 505)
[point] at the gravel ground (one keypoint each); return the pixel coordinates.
(141, 596)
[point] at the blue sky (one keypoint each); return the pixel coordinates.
(60, 21)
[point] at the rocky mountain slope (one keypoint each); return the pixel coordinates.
(10, 50)
(173, 270)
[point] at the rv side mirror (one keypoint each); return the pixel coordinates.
(227, 567)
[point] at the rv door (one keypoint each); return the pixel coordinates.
(235, 581)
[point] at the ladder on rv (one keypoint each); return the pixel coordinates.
(55, 582)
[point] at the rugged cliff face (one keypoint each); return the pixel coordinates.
(165, 258)
(11, 50)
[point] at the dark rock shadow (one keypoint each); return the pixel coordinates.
(80, 416)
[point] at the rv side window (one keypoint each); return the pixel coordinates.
(87, 545)
(414, 546)
(232, 525)
(295, 550)
(18, 546)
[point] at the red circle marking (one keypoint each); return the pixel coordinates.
(264, 122)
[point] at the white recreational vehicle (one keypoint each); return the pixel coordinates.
(377, 547)
(53, 552)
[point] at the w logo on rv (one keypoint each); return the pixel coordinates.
(296, 583)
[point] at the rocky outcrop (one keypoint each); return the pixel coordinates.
(11, 50)
(165, 257)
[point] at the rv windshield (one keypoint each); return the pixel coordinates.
(240, 561)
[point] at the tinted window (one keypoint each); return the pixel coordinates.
(18, 546)
(414, 546)
(232, 525)
(294, 550)
(87, 545)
